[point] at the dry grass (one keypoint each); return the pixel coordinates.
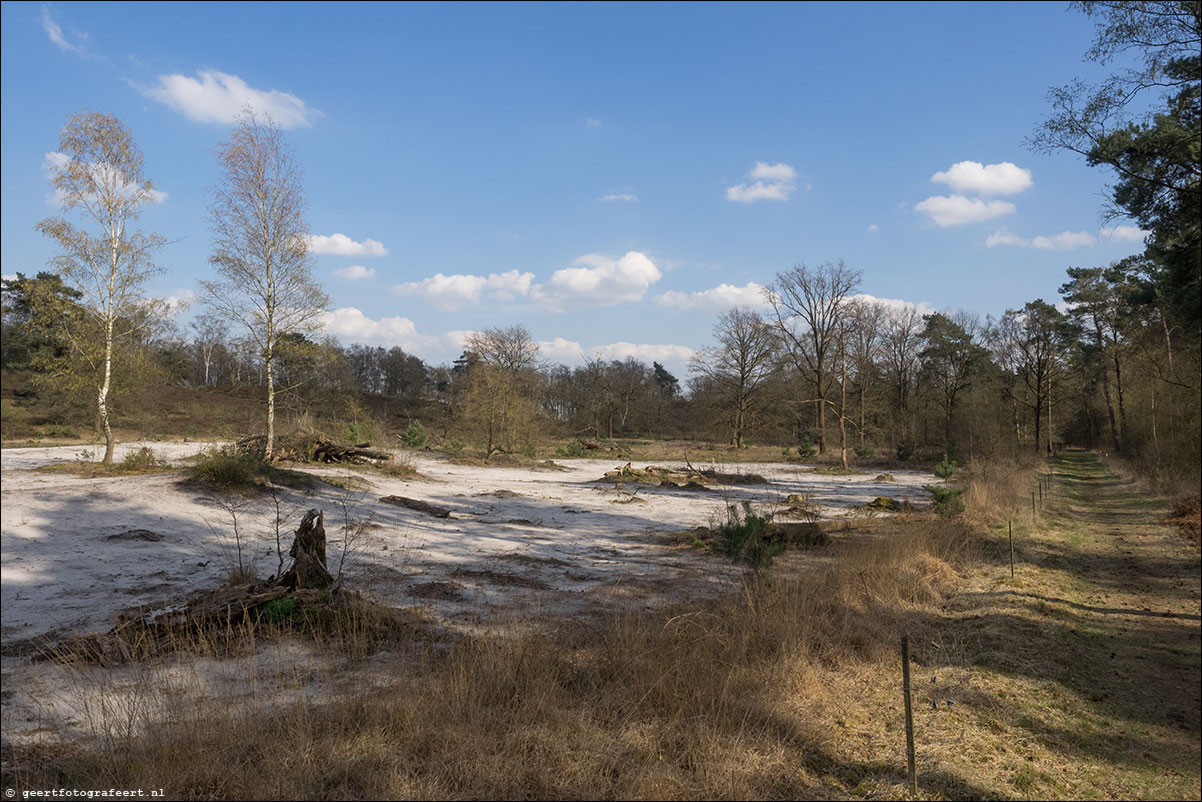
(790, 689)
(135, 463)
(697, 702)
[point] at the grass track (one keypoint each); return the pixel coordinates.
(1080, 677)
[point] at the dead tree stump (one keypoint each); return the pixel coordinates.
(308, 552)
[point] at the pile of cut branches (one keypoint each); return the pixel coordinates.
(688, 477)
(302, 446)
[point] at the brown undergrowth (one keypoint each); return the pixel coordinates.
(1186, 516)
(713, 701)
(788, 689)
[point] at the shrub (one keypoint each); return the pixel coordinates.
(807, 450)
(141, 460)
(747, 537)
(226, 468)
(360, 431)
(945, 468)
(414, 436)
(947, 499)
(279, 609)
(865, 452)
(57, 430)
(455, 447)
(905, 451)
(572, 449)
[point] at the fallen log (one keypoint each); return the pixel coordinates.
(415, 504)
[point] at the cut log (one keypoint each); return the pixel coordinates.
(419, 506)
(333, 452)
(308, 554)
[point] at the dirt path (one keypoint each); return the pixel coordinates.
(1081, 676)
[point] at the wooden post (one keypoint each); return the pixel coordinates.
(1010, 526)
(1033, 511)
(905, 646)
(1041, 491)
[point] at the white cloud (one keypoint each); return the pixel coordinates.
(1124, 233)
(561, 351)
(1004, 237)
(355, 272)
(352, 326)
(1004, 178)
(102, 174)
(601, 280)
(678, 355)
(1064, 241)
(922, 307)
(450, 293)
(569, 352)
(719, 298)
(342, 245)
(769, 182)
(179, 300)
(957, 210)
(610, 197)
(218, 97)
(872, 229)
(55, 32)
(772, 172)
(593, 122)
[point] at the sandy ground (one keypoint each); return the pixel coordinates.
(72, 558)
(76, 552)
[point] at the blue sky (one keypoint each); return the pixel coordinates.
(613, 176)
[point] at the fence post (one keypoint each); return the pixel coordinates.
(905, 647)
(1010, 526)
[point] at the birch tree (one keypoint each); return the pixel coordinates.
(97, 175)
(256, 212)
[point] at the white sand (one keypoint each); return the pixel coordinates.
(519, 542)
(512, 532)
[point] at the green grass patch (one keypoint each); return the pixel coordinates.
(229, 470)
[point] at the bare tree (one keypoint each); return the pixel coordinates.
(501, 387)
(740, 366)
(98, 174)
(511, 349)
(865, 338)
(808, 305)
(261, 245)
(902, 325)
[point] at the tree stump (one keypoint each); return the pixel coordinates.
(308, 553)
